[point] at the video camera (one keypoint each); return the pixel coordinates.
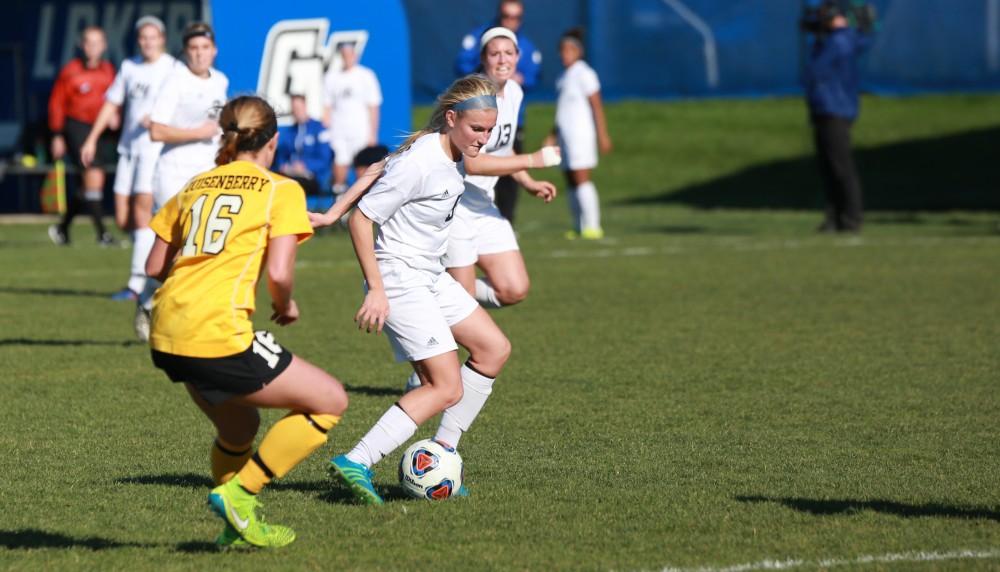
(859, 14)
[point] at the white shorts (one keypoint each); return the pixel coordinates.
(476, 232)
(578, 151)
(346, 148)
(170, 180)
(135, 172)
(422, 309)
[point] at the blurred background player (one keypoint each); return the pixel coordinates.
(351, 112)
(202, 333)
(580, 128)
(74, 105)
(412, 204)
(304, 150)
(185, 119)
(832, 86)
(136, 85)
(510, 15)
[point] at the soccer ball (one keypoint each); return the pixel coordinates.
(430, 470)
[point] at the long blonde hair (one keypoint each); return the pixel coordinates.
(461, 89)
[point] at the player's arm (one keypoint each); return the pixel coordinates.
(161, 257)
(164, 133)
(105, 117)
(374, 114)
(281, 252)
(350, 197)
(493, 166)
(603, 138)
(541, 189)
(57, 115)
(375, 308)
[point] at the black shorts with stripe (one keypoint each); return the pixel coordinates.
(222, 378)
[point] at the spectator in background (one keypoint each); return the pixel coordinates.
(831, 85)
(77, 98)
(510, 15)
(303, 151)
(353, 101)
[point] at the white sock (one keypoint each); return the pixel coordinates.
(142, 243)
(392, 430)
(486, 295)
(590, 207)
(459, 417)
(574, 208)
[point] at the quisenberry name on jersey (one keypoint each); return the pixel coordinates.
(228, 182)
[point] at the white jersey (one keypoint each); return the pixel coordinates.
(187, 101)
(136, 87)
(479, 189)
(574, 116)
(413, 203)
(350, 93)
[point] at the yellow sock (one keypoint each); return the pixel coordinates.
(293, 438)
(228, 459)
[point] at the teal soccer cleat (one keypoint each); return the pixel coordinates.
(357, 477)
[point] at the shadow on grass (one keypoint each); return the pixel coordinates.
(340, 495)
(374, 391)
(65, 343)
(55, 292)
(952, 172)
(33, 538)
(825, 507)
(197, 481)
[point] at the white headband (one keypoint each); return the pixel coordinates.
(498, 32)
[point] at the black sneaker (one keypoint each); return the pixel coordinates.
(57, 236)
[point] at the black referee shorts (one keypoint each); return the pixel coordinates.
(222, 378)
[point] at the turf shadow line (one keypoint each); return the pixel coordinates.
(337, 494)
(827, 507)
(67, 343)
(902, 176)
(33, 538)
(198, 481)
(55, 292)
(374, 391)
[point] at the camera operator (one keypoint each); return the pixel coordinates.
(831, 86)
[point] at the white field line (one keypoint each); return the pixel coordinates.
(890, 558)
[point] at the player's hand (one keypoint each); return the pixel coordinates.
(87, 152)
(207, 130)
(373, 312)
(543, 190)
(289, 315)
(548, 156)
(604, 141)
(320, 220)
(146, 121)
(549, 140)
(58, 147)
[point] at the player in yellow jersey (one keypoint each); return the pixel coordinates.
(214, 240)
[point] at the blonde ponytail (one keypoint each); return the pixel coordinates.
(248, 123)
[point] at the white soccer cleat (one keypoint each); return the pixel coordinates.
(141, 323)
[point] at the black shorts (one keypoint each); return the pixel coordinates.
(219, 379)
(76, 132)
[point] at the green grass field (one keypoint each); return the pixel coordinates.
(713, 385)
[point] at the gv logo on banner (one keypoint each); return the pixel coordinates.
(297, 56)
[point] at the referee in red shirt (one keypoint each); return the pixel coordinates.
(77, 97)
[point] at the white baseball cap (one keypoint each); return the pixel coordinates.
(498, 32)
(150, 20)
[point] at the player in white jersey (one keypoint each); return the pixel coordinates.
(581, 129)
(426, 314)
(353, 99)
(185, 115)
(136, 85)
(185, 118)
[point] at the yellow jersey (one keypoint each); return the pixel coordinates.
(220, 224)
